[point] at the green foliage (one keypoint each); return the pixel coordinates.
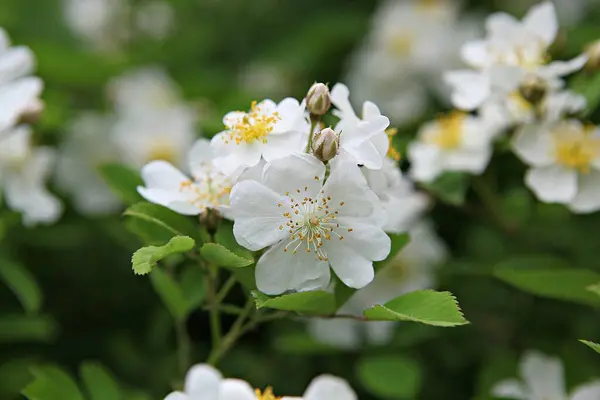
(123, 181)
(588, 86)
(27, 328)
(146, 258)
(450, 187)
(159, 224)
(99, 382)
(22, 283)
(315, 302)
(425, 306)
(399, 241)
(592, 345)
(221, 256)
(179, 302)
(390, 376)
(52, 383)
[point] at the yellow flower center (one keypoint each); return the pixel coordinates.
(266, 395)
(392, 152)
(448, 135)
(209, 189)
(519, 101)
(162, 150)
(576, 148)
(401, 44)
(253, 126)
(429, 5)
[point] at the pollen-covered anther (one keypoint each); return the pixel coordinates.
(253, 126)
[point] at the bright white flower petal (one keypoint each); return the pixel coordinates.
(202, 382)
(543, 376)
(587, 199)
(352, 268)
(235, 389)
(470, 88)
(553, 183)
(303, 167)
(177, 396)
(425, 162)
(562, 68)
(337, 332)
(511, 389)
(329, 387)
(590, 391)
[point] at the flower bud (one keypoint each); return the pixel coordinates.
(318, 100)
(533, 89)
(32, 113)
(325, 144)
(593, 53)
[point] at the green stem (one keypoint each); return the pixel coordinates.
(314, 120)
(489, 199)
(215, 317)
(232, 336)
(225, 289)
(184, 347)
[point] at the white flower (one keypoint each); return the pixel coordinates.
(454, 142)
(19, 92)
(23, 172)
(410, 270)
(268, 130)
(309, 224)
(363, 139)
(155, 18)
(512, 52)
(88, 146)
(203, 382)
(543, 379)
(169, 187)
(401, 203)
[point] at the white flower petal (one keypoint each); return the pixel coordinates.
(562, 68)
(533, 145)
(329, 387)
(285, 174)
(341, 333)
(541, 20)
(370, 111)
(202, 382)
(553, 183)
(199, 154)
(231, 158)
(500, 23)
(543, 376)
(352, 268)
(365, 153)
(16, 98)
(587, 199)
(340, 97)
(380, 332)
(473, 161)
(256, 215)
(425, 161)
(177, 396)
(590, 391)
(511, 389)
(475, 53)
(15, 62)
(369, 241)
(235, 389)
(179, 202)
(470, 88)
(283, 144)
(278, 270)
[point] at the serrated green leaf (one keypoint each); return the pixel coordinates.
(399, 241)
(172, 295)
(219, 255)
(424, 306)
(99, 382)
(316, 302)
(451, 187)
(160, 222)
(592, 345)
(390, 377)
(146, 258)
(557, 283)
(22, 283)
(27, 328)
(52, 383)
(123, 181)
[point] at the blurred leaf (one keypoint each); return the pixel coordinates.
(588, 86)
(27, 328)
(594, 288)
(52, 383)
(315, 302)
(14, 376)
(561, 284)
(424, 306)
(451, 187)
(172, 295)
(99, 382)
(517, 205)
(592, 345)
(146, 258)
(168, 222)
(123, 181)
(192, 284)
(399, 241)
(219, 255)
(302, 343)
(390, 377)
(225, 238)
(23, 285)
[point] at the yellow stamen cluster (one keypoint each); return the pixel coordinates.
(448, 135)
(576, 148)
(253, 126)
(207, 191)
(392, 152)
(266, 395)
(401, 44)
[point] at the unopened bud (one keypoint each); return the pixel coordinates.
(32, 113)
(533, 89)
(593, 53)
(326, 144)
(318, 99)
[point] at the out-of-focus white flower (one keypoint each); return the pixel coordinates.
(513, 51)
(23, 173)
(86, 148)
(569, 12)
(310, 224)
(364, 139)
(203, 382)
(268, 130)
(410, 44)
(454, 142)
(169, 187)
(401, 203)
(155, 18)
(266, 79)
(543, 378)
(410, 270)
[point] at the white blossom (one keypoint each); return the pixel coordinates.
(269, 130)
(364, 139)
(155, 18)
(453, 142)
(411, 269)
(542, 379)
(310, 224)
(169, 187)
(513, 52)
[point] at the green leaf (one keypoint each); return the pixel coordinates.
(424, 306)
(225, 238)
(23, 285)
(315, 302)
(123, 181)
(172, 295)
(390, 377)
(450, 187)
(594, 288)
(99, 382)
(146, 258)
(27, 328)
(52, 383)
(588, 86)
(160, 222)
(399, 241)
(592, 345)
(556, 283)
(193, 285)
(219, 255)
